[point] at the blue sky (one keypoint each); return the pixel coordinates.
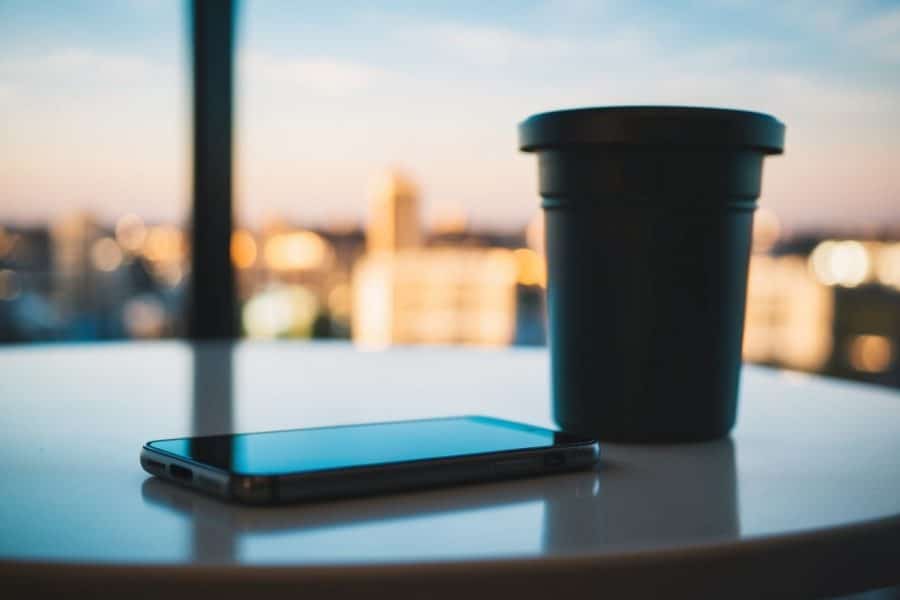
(95, 99)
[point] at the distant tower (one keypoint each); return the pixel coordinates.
(394, 213)
(72, 238)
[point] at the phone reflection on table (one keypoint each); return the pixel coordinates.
(616, 507)
(472, 521)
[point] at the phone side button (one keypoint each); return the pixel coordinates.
(516, 466)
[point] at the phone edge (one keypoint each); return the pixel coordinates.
(372, 479)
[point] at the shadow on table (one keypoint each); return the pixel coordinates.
(213, 388)
(618, 506)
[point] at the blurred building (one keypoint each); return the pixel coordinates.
(864, 277)
(829, 305)
(404, 293)
(284, 277)
(866, 331)
(73, 238)
(295, 281)
(436, 296)
(394, 220)
(26, 313)
(789, 315)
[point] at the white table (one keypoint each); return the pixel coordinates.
(804, 499)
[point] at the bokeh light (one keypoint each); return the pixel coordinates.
(106, 255)
(144, 317)
(297, 251)
(887, 266)
(243, 249)
(871, 353)
(131, 233)
(284, 311)
(165, 243)
(531, 267)
(844, 263)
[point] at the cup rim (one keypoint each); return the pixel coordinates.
(680, 126)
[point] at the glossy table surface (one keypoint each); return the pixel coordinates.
(807, 488)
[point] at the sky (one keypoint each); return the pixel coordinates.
(94, 100)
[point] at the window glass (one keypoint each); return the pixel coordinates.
(93, 169)
(379, 194)
(381, 188)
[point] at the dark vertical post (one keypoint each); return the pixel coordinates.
(212, 304)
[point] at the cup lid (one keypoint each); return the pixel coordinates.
(652, 126)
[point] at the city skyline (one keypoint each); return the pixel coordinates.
(96, 101)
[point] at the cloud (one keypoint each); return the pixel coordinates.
(847, 25)
(38, 87)
(77, 64)
(880, 34)
(322, 75)
(492, 46)
(824, 15)
(117, 66)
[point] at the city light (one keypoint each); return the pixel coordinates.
(372, 317)
(531, 267)
(844, 263)
(887, 265)
(788, 315)
(393, 283)
(297, 251)
(165, 243)
(131, 233)
(286, 311)
(144, 317)
(871, 353)
(243, 249)
(106, 255)
(169, 274)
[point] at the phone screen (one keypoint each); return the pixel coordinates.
(282, 452)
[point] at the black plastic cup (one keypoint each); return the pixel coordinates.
(649, 215)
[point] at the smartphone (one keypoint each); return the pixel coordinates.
(277, 467)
